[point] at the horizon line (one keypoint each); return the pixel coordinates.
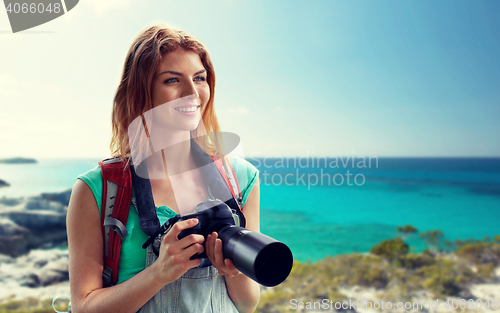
(295, 156)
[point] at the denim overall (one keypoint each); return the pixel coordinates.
(199, 290)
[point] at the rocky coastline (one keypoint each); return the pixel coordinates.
(18, 161)
(33, 254)
(33, 223)
(3, 183)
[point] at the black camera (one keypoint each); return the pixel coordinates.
(260, 257)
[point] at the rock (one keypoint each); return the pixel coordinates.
(465, 293)
(9, 228)
(37, 269)
(38, 220)
(61, 197)
(18, 161)
(10, 201)
(6, 259)
(12, 237)
(31, 223)
(29, 280)
(54, 272)
(3, 183)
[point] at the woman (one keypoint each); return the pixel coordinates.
(170, 73)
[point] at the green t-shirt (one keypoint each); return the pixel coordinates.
(133, 256)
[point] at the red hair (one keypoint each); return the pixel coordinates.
(135, 92)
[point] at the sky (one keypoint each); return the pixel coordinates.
(294, 78)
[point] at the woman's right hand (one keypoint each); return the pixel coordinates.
(174, 258)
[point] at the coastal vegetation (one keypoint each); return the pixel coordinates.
(444, 270)
(33, 305)
(393, 272)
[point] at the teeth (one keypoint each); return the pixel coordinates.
(189, 109)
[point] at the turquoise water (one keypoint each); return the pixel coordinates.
(460, 197)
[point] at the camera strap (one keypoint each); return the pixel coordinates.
(218, 181)
(162, 230)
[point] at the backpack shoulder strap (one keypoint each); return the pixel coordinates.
(228, 175)
(117, 194)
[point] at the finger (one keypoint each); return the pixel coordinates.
(183, 267)
(230, 267)
(219, 258)
(184, 256)
(208, 247)
(189, 240)
(187, 253)
(172, 234)
(224, 266)
(193, 263)
(178, 247)
(211, 246)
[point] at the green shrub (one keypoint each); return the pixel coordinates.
(413, 261)
(372, 276)
(480, 253)
(391, 249)
(406, 231)
(433, 239)
(441, 278)
(31, 305)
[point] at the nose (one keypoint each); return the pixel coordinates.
(190, 89)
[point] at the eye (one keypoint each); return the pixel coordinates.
(171, 80)
(200, 79)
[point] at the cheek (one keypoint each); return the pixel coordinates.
(163, 94)
(204, 94)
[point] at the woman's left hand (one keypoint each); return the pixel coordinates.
(213, 246)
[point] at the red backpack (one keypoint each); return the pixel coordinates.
(117, 196)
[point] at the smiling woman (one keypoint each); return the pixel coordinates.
(167, 89)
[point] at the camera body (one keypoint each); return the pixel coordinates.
(212, 215)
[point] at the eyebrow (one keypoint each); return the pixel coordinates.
(180, 74)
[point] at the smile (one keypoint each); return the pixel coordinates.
(188, 109)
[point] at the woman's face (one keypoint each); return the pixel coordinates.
(181, 91)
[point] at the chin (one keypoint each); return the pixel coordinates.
(188, 127)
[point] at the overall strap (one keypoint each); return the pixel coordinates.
(117, 194)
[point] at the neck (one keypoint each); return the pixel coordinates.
(172, 155)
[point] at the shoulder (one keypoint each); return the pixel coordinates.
(242, 166)
(91, 174)
(93, 178)
(246, 173)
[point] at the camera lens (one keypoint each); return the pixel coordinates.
(260, 257)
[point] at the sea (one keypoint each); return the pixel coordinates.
(324, 207)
